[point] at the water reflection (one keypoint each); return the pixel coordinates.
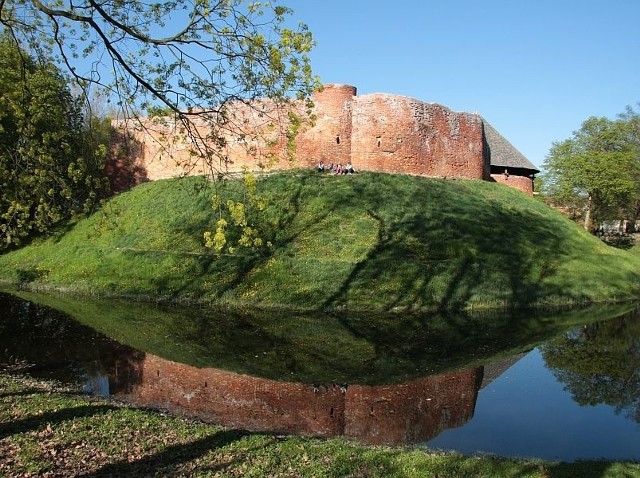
(406, 413)
(600, 364)
(372, 349)
(61, 348)
(397, 402)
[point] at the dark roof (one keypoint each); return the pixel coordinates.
(503, 153)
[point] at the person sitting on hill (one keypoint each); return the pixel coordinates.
(339, 168)
(348, 169)
(331, 168)
(321, 168)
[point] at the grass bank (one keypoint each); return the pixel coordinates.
(367, 241)
(46, 430)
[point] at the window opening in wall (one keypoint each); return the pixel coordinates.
(379, 140)
(337, 139)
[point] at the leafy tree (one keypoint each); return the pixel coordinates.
(191, 58)
(600, 363)
(597, 170)
(51, 159)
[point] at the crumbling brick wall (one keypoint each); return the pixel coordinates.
(398, 134)
(376, 132)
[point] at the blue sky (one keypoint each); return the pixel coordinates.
(534, 69)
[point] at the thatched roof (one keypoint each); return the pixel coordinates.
(502, 153)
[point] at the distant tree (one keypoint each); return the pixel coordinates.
(632, 117)
(600, 363)
(51, 153)
(597, 170)
(188, 58)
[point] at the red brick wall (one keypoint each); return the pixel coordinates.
(397, 134)
(522, 183)
(414, 411)
(160, 148)
(377, 132)
(329, 140)
(239, 401)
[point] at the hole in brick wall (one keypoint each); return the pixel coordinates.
(337, 139)
(379, 141)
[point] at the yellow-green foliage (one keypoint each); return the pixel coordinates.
(237, 210)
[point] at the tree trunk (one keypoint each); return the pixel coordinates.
(587, 215)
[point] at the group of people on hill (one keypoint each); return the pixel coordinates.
(336, 169)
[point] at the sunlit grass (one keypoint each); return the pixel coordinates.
(365, 241)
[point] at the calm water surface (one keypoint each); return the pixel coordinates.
(526, 411)
(563, 387)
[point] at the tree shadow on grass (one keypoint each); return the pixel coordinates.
(20, 393)
(592, 469)
(28, 392)
(437, 245)
(501, 467)
(459, 246)
(167, 462)
(36, 422)
(164, 462)
(236, 268)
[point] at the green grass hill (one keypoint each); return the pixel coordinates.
(369, 241)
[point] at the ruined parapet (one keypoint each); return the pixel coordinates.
(329, 140)
(150, 149)
(125, 163)
(397, 134)
(241, 136)
(376, 132)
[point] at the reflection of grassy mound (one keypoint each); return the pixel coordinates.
(369, 349)
(368, 241)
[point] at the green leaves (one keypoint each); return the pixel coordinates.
(51, 160)
(598, 168)
(245, 218)
(208, 55)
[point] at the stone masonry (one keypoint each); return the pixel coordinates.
(376, 132)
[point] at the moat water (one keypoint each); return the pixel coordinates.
(561, 386)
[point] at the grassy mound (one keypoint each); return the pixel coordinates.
(367, 241)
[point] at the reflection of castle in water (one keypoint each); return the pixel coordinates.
(410, 412)
(414, 411)
(52, 345)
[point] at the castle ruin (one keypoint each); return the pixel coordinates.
(375, 132)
